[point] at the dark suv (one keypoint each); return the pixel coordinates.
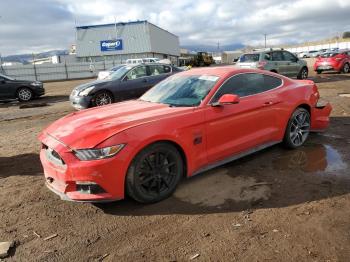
(23, 90)
(128, 82)
(275, 60)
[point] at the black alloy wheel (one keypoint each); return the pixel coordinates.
(154, 173)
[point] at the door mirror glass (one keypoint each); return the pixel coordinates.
(227, 99)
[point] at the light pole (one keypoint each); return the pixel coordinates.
(265, 39)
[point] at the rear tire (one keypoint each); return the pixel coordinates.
(24, 94)
(346, 68)
(298, 128)
(303, 74)
(154, 173)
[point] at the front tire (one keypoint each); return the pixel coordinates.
(303, 74)
(102, 98)
(346, 68)
(154, 173)
(24, 94)
(298, 128)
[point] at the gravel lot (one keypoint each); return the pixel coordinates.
(275, 205)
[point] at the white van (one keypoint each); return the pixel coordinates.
(134, 61)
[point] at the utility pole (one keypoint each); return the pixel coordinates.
(265, 39)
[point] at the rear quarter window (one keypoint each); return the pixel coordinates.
(249, 58)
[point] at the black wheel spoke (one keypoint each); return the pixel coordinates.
(149, 163)
(165, 182)
(147, 180)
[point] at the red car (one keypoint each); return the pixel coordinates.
(186, 124)
(334, 61)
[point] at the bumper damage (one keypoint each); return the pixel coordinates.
(320, 116)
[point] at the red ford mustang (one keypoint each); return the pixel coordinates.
(189, 123)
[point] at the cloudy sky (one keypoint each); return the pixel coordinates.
(41, 25)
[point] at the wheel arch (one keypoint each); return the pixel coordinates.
(23, 86)
(177, 145)
(94, 93)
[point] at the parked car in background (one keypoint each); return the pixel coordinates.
(143, 60)
(23, 90)
(185, 125)
(333, 61)
(308, 54)
(278, 61)
(128, 82)
(105, 74)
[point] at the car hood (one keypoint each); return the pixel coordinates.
(93, 83)
(88, 128)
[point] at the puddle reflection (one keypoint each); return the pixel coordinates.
(311, 158)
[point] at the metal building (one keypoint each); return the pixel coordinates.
(121, 41)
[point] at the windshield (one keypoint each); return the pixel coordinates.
(115, 68)
(329, 54)
(119, 73)
(187, 90)
(249, 58)
(6, 77)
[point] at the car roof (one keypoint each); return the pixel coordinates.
(223, 71)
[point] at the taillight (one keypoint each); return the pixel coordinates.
(261, 64)
(315, 92)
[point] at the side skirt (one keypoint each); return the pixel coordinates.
(235, 157)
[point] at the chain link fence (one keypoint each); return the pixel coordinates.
(55, 72)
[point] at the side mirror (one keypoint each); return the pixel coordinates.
(227, 99)
(2, 81)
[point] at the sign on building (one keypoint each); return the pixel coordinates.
(111, 45)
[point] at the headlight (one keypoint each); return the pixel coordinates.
(36, 84)
(100, 153)
(86, 91)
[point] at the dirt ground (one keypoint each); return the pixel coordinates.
(275, 205)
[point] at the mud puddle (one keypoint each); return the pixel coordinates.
(218, 187)
(314, 158)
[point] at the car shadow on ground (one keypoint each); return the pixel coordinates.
(37, 102)
(272, 178)
(20, 165)
(330, 77)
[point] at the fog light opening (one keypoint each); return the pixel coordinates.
(87, 187)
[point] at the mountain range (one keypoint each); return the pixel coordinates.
(25, 58)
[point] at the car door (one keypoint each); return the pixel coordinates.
(232, 129)
(6, 88)
(292, 66)
(279, 63)
(134, 83)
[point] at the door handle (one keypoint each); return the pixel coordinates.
(145, 80)
(268, 103)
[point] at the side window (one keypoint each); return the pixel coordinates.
(288, 56)
(247, 84)
(277, 56)
(267, 56)
(136, 72)
(167, 69)
(156, 70)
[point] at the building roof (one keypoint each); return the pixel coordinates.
(111, 24)
(121, 23)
